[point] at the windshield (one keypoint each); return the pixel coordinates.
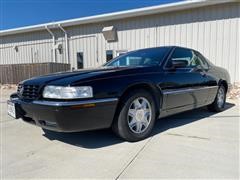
(143, 57)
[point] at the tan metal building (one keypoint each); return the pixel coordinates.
(212, 27)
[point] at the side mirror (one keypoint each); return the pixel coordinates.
(179, 63)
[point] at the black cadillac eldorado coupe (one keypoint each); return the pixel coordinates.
(128, 93)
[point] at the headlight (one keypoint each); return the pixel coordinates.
(66, 92)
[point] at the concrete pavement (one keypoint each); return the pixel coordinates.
(195, 144)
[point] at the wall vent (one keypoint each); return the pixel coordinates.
(110, 33)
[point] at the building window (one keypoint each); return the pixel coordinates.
(80, 60)
(109, 55)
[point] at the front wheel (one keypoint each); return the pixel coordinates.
(136, 116)
(220, 100)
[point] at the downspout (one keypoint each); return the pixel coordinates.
(66, 42)
(53, 44)
(97, 47)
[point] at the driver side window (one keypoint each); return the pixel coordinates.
(188, 56)
(185, 55)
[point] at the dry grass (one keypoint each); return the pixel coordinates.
(8, 86)
(234, 92)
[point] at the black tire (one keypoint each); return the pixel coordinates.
(215, 106)
(121, 122)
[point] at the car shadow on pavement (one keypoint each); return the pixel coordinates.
(186, 118)
(102, 138)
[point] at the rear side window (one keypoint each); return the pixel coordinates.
(202, 61)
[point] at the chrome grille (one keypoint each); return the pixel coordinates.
(28, 91)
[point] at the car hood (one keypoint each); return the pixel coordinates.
(67, 78)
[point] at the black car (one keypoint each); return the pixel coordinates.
(128, 93)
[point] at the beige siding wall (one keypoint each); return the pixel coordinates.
(32, 47)
(213, 30)
(215, 33)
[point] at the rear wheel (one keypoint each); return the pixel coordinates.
(136, 116)
(220, 100)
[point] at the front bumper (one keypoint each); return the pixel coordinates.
(71, 116)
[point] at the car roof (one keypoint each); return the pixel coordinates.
(166, 47)
(154, 48)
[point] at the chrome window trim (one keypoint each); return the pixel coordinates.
(180, 91)
(167, 59)
(72, 103)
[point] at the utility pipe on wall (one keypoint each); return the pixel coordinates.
(54, 42)
(66, 42)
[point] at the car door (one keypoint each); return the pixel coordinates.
(183, 86)
(211, 80)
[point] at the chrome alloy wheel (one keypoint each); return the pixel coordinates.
(220, 97)
(139, 115)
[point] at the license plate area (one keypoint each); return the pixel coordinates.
(11, 109)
